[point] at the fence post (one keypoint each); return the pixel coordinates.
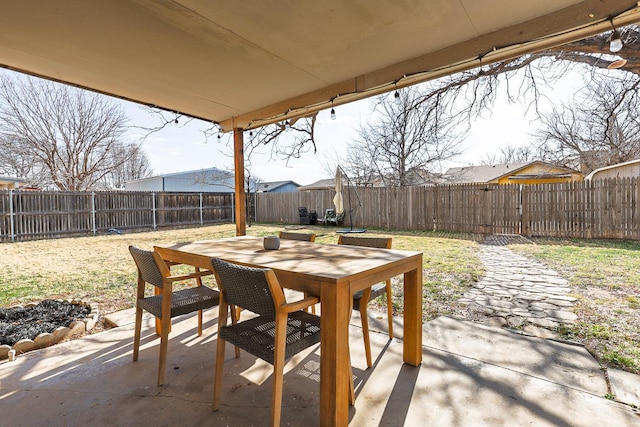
(201, 209)
(12, 217)
(93, 212)
(524, 211)
(153, 209)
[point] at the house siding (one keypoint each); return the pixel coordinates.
(200, 181)
(148, 184)
(537, 172)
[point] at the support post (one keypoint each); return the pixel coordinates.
(240, 198)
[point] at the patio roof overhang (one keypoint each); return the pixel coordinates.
(247, 64)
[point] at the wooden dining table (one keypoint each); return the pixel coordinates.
(334, 273)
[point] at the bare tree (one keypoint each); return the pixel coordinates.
(511, 154)
(68, 134)
(405, 139)
(130, 163)
(600, 128)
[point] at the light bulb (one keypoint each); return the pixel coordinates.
(333, 114)
(615, 44)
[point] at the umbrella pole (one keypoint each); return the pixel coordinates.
(351, 209)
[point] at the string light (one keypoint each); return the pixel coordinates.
(333, 113)
(615, 41)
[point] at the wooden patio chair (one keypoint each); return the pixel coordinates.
(166, 303)
(306, 237)
(361, 298)
(280, 330)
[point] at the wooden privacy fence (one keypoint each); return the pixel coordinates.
(600, 209)
(26, 215)
(606, 209)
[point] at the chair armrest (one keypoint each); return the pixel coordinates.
(194, 275)
(299, 305)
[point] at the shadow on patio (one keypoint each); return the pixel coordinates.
(470, 375)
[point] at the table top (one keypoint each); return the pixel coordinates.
(327, 262)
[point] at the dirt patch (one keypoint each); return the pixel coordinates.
(17, 323)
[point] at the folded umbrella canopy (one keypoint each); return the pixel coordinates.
(337, 199)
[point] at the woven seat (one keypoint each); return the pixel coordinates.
(184, 301)
(307, 237)
(373, 292)
(154, 271)
(280, 330)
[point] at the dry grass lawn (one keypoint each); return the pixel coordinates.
(604, 276)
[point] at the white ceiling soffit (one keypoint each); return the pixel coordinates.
(248, 63)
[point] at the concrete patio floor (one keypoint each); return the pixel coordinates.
(471, 375)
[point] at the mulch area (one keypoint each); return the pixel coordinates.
(17, 323)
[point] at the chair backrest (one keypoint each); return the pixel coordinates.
(246, 287)
(148, 269)
(370, 242)
(307, 237)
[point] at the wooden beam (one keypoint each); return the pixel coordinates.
(241, 201)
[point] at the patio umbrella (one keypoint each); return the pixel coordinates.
(337, 199)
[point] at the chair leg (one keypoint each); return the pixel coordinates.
(235, 316)
(136, 336)
(164, 344)
(199, 283)
(278, 368)
(217, 383)
(223, 311)
(365, 324)
(389, 308)
(352, 389)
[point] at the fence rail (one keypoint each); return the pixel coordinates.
(26, 215)
(606, 209)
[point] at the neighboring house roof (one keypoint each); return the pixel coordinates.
(211, 179)
(493, 173)
(625, 170)
(323, 184)
(10, 182)
(274, 185)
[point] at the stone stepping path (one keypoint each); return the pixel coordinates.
(519, 291)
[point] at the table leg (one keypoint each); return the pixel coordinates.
(412, 350)
(334, 354)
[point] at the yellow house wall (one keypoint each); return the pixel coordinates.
(539, 169)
